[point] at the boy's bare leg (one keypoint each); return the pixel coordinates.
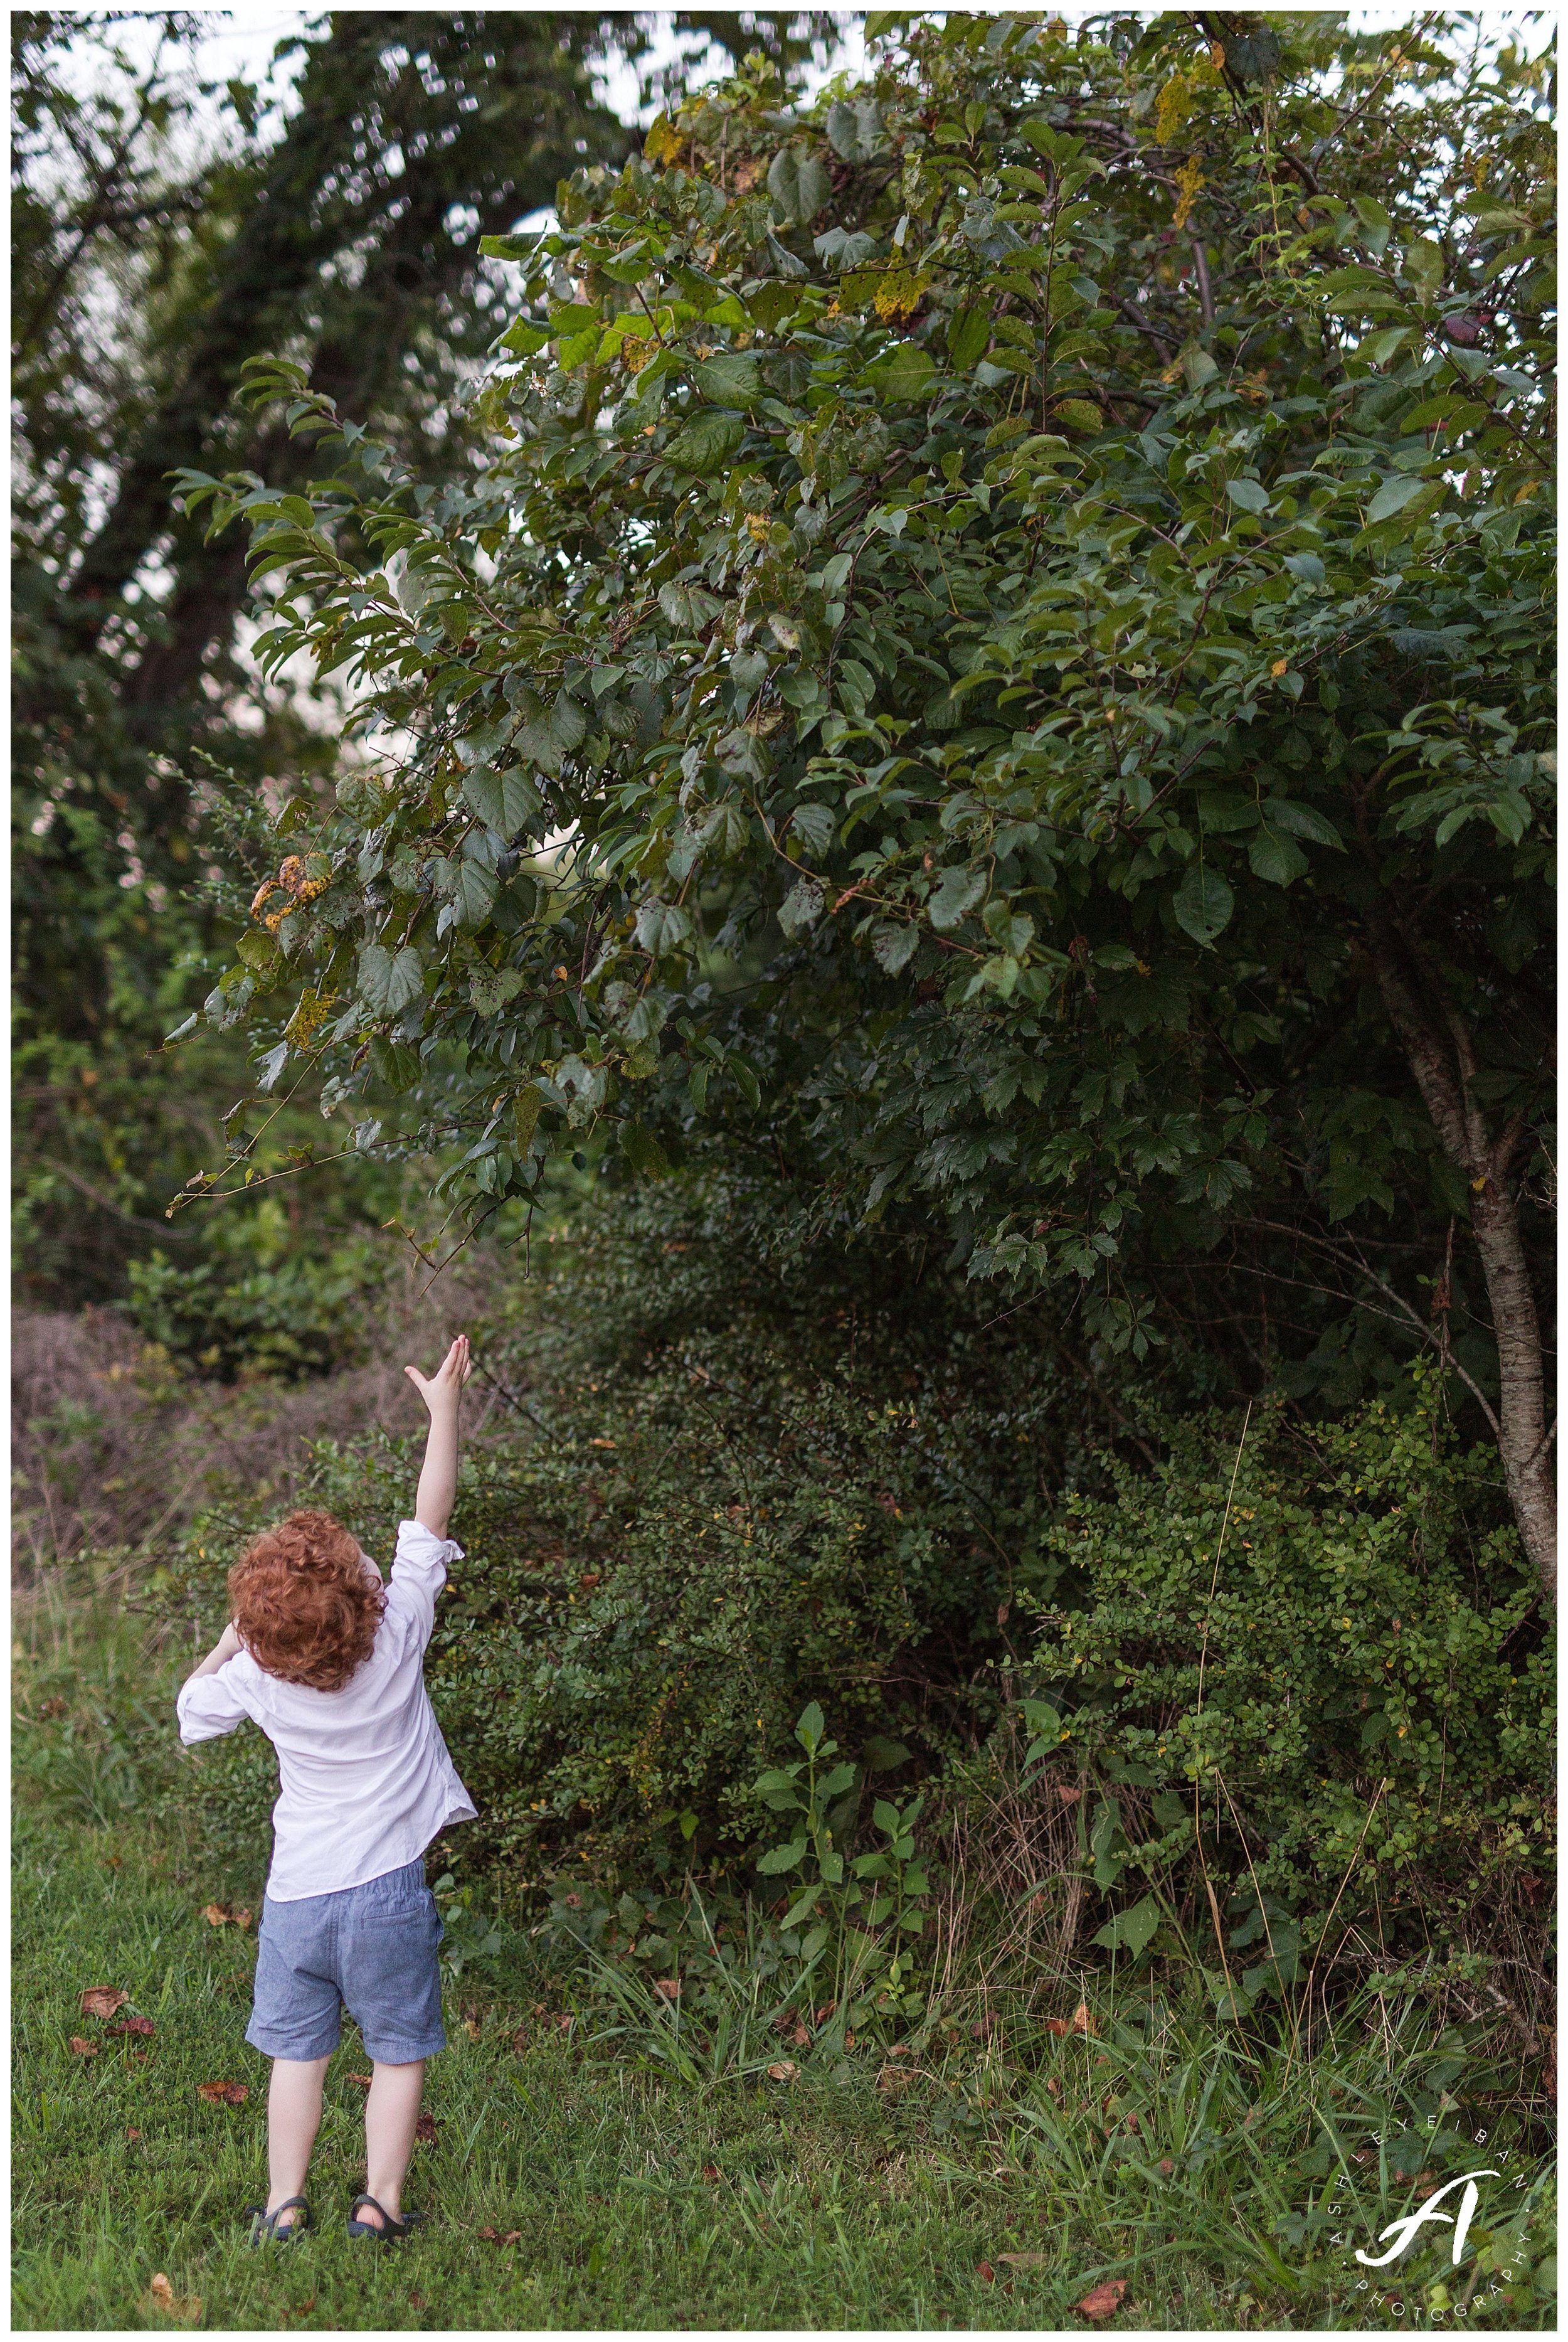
(390, 2112)
(293, 2120)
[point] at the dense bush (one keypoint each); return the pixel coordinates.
(259, 1306)
(723, 1489)
(1353, 1696)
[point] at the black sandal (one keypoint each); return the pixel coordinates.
(265, 2224)
(394, 2230)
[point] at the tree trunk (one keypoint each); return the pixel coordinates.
(1437, 1042)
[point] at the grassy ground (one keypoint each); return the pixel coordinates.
(1224, 2186)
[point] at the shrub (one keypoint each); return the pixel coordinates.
(722, 1490)
(1354, 1697)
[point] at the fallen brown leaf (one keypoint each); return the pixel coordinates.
(225, 2094)
(133, 2134)
(471, 2026)
(1166, 2167)
(162, 2299)
(712, 2171)
(425, 2128)
(1057, 2025)
(1083, 2022)
(668, 1987)
(801, 2037)
(1025, 2260)
(784, 2070)
(520, 2041)
(103, 2000)
(364, 2081)
(985, 2273)
(241, 1918)
(84, 2049)
(494, 2236)
(218, 1915)
(1104, 2300)
(829, 2008)
(141, 2025)
(1068, 1796)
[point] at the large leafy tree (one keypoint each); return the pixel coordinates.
(996, 645)
(161, 229)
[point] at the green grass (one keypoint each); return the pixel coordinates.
(837, 2198)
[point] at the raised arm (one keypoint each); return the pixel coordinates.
(441, 1394)
(222, 1650)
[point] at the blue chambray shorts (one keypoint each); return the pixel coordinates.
(370, 1949)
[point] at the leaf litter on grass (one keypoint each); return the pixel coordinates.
(161, 2300)
(103, 2000)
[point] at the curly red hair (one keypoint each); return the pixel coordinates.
(304, 1603)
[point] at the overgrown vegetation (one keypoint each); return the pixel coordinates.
(607, 2158)
(1265, 1697)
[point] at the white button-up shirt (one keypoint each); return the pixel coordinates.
(365, 1777)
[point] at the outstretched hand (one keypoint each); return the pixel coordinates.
(440, 1389)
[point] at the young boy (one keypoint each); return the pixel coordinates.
(330, 1663)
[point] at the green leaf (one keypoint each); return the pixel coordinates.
(689, 607)
(905, 373)
(474, 890)
(802, 908)
(662, 928)
(490, 988)
(1250, 495)
(260, 953)
(1197, 367)
(814, 824)
(1079, 415)
(732, 379)
(968, 335)
(1274, 857)
(957, 892)
(798, 184)
(1302, 821)
(389, 985)
(642, 1151)
(709, 439)
(1203, 903)
(1132, 1930)
(505, 802)
(894, 947)
(780, 1858)
(1394, 496)
(809, 1729)
(526, 1106)
(1041, 1718)
(395, 1063)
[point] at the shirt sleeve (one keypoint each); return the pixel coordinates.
(210, 1706)
(419, 1573)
